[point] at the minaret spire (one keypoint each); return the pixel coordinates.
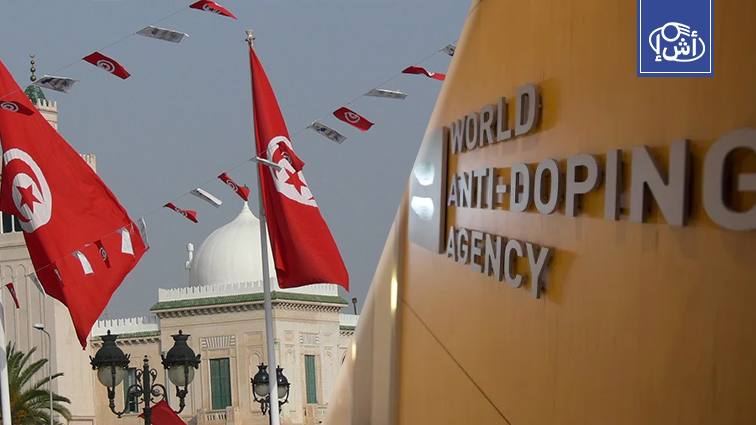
(33, 77)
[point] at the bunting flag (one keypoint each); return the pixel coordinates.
(423, 71)
(303, 248)
(13, 294)
(61, 84)
(449, 49)
(103, 253)
(387, 94)
(207, 197)
(62, 206)
(189, 214)
(162, 414)
(288, 154)
(353, 118)
(85, 264)
(39, 286)
(11, 106)
(103, 62)
(327, 132)
(162, 34)
(142, 225)
(242, 191)
(211, 6)
(126, 247)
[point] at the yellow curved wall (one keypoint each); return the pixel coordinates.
(641, 323)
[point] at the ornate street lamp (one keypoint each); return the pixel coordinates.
(111, 364)
(261, 388)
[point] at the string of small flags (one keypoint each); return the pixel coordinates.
(112, 66)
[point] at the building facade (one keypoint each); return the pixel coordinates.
(222, 311)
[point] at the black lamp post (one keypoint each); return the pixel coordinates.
(261, 388)
(111, 364)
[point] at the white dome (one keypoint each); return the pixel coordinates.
(231, 254)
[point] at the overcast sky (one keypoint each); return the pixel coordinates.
(185, 114)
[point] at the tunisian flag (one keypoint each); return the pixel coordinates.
(303, 248)
(213, 7)
(423, 71)
(64, 208)
(108, 64)
(162, 414)
(353, 118)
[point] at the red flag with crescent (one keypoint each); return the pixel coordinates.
(304, 250)
(162, 414)
(423, 71)
(242, 191)
(212, 7)
(11, 106)
(353, 118)
(288, 154)
(188, 214)
(63, 207)
(12, 291)
(108, 64)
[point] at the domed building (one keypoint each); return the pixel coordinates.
(228, 255)
(221, 309)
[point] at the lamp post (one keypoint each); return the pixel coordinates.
(111, 364)
(261, 387)
(41, 327)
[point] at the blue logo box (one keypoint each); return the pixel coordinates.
(675, 38)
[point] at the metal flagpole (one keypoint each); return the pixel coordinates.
(269, 340)
(4, 386)
(5, 408)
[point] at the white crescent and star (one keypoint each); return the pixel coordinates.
(106, 65)
(33, 199)
(352, 117)
(288, 181)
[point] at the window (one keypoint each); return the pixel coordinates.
(130, 401)
(220, 383)
(11, 223)
(312, 383)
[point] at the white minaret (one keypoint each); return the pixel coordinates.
(190, 250)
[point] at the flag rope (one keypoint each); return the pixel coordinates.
(102, 48)
(393, 77)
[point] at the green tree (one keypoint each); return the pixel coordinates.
(29, 397)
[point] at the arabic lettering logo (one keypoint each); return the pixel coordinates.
(687, 45)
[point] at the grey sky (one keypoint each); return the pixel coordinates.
(185, 114)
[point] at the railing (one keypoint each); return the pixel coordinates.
(129, 325)
(215, 416)
(348, 319)
(194, 292)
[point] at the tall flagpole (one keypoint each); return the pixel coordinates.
(5, 408)
(269, 340)
(4, 384)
